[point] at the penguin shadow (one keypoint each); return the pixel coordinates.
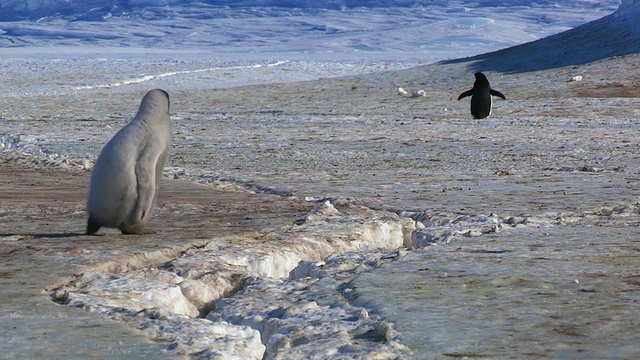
(57, 236)
(76, 234)
(45, 235)
(64, 235)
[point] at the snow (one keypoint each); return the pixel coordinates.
(300, 295)
(306, 30)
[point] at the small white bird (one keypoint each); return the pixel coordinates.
(416, 93)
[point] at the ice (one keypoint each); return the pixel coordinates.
(46, 33)
(309, 292)
(469, 285)
(473, 22)
(315, 30)
(165, 295)
(188, 285)
(293, 317)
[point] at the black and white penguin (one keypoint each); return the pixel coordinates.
(481, 96)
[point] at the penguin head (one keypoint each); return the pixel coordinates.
(480, 76)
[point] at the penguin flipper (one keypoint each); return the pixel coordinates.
(496, 93)
(466, 93)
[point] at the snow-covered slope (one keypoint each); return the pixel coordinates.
(613, 35)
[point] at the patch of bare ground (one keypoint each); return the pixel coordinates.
(610, 91)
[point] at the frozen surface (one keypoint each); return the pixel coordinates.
(406, 191)
(520, 294)
(205, 275)
(322, 30)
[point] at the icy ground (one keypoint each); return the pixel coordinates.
(385, 173)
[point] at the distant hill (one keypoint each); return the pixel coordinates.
(613, 35)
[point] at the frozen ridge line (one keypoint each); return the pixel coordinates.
(281, 293)
(24, 149)
(169, 301)
(174, 73)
